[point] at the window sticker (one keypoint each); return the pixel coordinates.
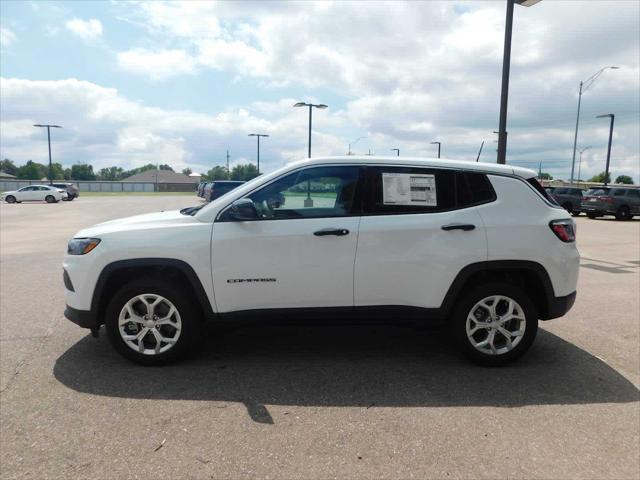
(409, 189)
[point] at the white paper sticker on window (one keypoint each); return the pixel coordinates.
(409, 189)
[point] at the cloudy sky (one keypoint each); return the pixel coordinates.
(181, 83)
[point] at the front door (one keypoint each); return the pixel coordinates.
(299, 252)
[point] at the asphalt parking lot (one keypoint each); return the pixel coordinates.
(365, 402)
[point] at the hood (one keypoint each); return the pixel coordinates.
(138, 222)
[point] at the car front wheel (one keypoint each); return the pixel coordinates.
(152, 322)
(494, 324)
(10, 199)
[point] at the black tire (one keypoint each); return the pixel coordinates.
(190, 317)
(50, 199)
(576, 213)
(623, 213)
(568, 207)
(10, 199)
(463, 309)
(592, 215)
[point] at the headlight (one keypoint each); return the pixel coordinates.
(82, 246)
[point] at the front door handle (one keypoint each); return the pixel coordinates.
(338, 232)
(459, 226)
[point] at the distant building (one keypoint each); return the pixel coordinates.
(6, 175)
(166, 180)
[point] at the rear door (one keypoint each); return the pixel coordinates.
(419, 229)
(300, 252)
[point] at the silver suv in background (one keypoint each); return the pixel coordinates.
(71, 188)
(622, 202)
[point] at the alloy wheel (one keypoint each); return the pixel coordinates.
(495, 325)
(149, 324)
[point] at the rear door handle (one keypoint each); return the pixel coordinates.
(338, 232)
(458, 226)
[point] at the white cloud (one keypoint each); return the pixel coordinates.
(105, 128)
(88, 30)
(7, 37)
(158, 65)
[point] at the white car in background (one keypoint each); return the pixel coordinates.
(35, 193)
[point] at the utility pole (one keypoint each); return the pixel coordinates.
(439, 144)
(258, 135)
(321, 106)
(606, 170)
(49, 127)
(506, 66)
(397, 150)
(228, 163)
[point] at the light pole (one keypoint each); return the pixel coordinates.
(258, 135)
(606, 170)
(580, 162)
(397, 150)
(584, 86)
(49, 127)
(439, 144)
(353, 143)
(321, 106)
(506, 65)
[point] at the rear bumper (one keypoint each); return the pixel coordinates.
(558, 306)
(82, 318)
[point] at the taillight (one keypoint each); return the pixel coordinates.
(606, 199)
(564, 230)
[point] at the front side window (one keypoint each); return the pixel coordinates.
(310, 193)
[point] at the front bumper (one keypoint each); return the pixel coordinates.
(558, 306)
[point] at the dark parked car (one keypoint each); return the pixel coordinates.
(622, 202)
(569, 198)
(200, 189)
(213, 190)
(72, 190)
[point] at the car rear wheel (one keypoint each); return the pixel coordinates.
(50, 199)
(494, 324)
(152, 322)
(623, 213)
(575, 213)
(592, 215)
(10, 199)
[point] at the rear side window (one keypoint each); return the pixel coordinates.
(403, 190)
(633, 193)
(598, 191)
(473, 189)
(619, 192)
(534, 183)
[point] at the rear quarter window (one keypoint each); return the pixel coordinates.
(537, 187)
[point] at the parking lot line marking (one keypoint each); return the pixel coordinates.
(604, 268)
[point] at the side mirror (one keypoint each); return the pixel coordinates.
(243, 210)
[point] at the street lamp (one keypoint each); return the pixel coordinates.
(584, 86)
(606, 170)
(439, 144)
(506, 65)
(258, 135)
(49, 127)
(397, 150)
(580, 162)
(321, 106)
(353, 143)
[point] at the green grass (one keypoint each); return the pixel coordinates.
(121, 194)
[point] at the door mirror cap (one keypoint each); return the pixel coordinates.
(243, 209)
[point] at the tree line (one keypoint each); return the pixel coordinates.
(83, 171)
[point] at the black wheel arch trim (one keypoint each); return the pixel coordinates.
(501, 266)
(195, 283)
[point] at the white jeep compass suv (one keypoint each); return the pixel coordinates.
(480, 246)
